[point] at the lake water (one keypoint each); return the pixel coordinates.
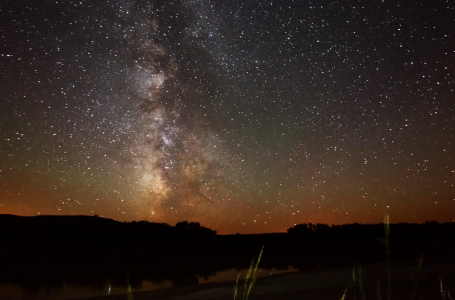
(62, 292)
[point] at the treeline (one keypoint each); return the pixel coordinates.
(92, 239)
(399, 231)
(60, 226)
(89, 240)
(181, 229)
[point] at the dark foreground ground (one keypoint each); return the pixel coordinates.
(325, 283)
(51, 251)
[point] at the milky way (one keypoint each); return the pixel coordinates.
(247, 116)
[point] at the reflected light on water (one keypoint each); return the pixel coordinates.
(62, 292)
(231, 275)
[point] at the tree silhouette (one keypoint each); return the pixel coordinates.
(193, 229)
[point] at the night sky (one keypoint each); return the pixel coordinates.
(246, 116)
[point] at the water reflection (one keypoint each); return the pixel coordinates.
(60, 291)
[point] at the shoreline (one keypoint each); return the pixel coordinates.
(318, 284)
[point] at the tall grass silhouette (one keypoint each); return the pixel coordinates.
(251, 277)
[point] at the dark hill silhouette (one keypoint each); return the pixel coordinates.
(49, 220)
(54, 225)
(57, 239)
(89, 240)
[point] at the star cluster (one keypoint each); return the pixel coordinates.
(247, 116)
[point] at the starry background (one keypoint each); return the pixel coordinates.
(247, 116)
